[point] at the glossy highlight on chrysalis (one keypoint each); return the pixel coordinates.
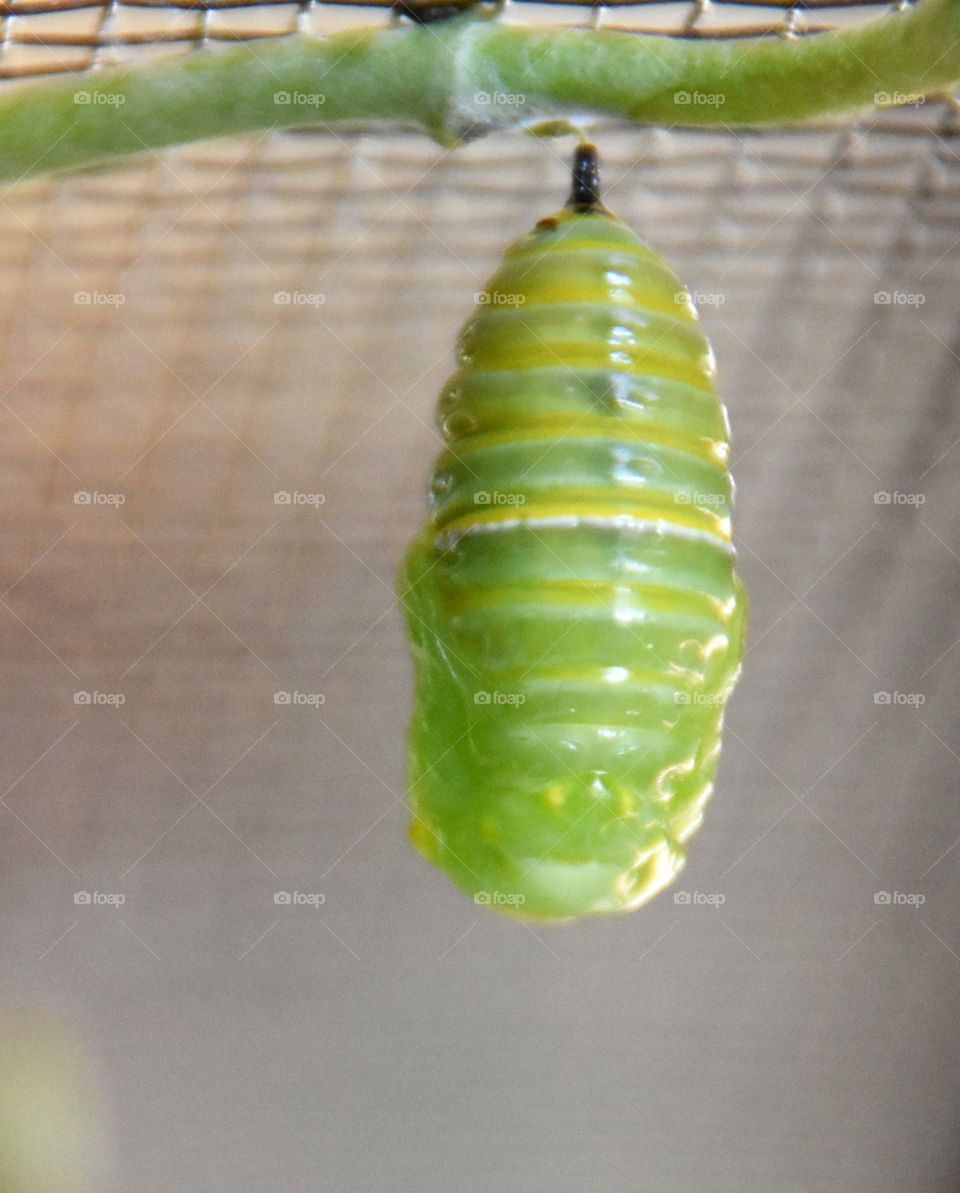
(576, 619)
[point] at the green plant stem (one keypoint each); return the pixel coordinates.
(470, 75)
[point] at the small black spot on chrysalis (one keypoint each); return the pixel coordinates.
(602, 393)
(547, 224)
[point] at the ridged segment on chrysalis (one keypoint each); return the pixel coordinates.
(576, 619)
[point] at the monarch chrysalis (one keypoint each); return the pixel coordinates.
(576, 620)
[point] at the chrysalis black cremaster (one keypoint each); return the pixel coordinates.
(577, 623)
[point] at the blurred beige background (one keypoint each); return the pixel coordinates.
(788, 1034)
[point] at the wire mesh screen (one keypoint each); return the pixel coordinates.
(48, 37)
(187, 337)
(219, 365)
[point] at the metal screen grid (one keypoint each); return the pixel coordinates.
(49, 37)
(145, 354)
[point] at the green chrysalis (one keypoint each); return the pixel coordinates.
(576, 619)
